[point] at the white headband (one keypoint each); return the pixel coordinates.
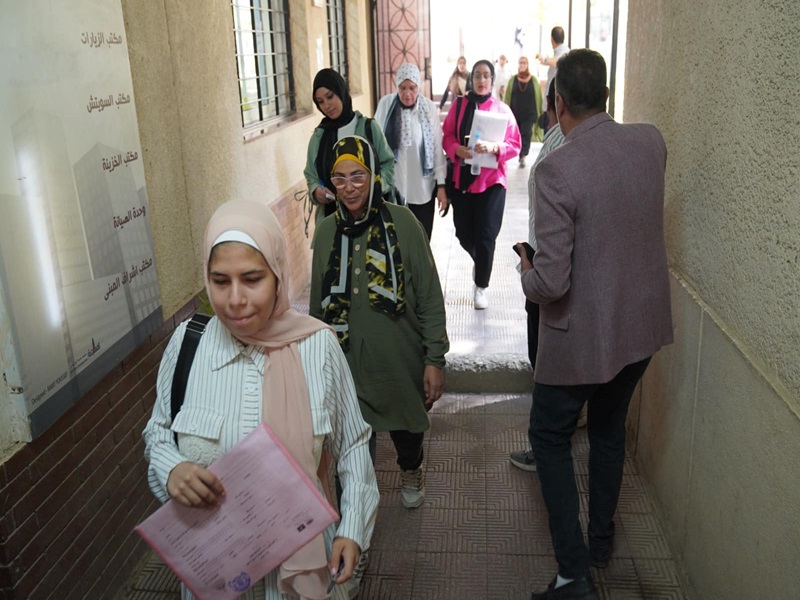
(234, 235)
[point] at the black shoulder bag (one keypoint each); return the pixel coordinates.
(449, 183)
(194, 331)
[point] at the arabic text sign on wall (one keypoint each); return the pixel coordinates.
(76, 246)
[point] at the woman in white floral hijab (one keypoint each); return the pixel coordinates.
(410, 122)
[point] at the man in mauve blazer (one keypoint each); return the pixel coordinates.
(601, 279)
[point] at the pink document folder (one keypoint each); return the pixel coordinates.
(270, 510)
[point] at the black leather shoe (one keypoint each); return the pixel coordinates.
(581, 588)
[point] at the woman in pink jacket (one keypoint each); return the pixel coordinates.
(479, 199)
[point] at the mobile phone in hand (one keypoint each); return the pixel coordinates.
(529, 251)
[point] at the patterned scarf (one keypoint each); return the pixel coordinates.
(400, 121)
(384, 265)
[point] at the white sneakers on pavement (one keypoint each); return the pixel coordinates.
(481, 300)
(412, 492)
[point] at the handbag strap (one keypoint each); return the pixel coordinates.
(458, 114)
(191, 339)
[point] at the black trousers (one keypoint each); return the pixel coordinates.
(408, 446)
(532, 310)
(424, 214)
(556, 410)
(477, 219)
(526, 134)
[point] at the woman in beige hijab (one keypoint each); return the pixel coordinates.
(259, 360)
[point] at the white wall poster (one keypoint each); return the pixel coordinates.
(77, 273)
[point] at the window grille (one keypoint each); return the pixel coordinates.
(337, 36)
(263, 60)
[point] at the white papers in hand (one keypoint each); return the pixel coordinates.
(270, 510)
(489, 127)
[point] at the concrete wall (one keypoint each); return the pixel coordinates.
(196, 157)
(719, 426)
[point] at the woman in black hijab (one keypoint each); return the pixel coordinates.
(332, 98)
(480, 196)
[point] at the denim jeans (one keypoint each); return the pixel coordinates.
(556, 410)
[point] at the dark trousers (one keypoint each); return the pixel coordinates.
(532, 310)
(556, 410)
(525, 134)
(424, 214)
(477, 219)
(408, 446)
(443, 101)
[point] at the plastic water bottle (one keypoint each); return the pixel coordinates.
(475, 169)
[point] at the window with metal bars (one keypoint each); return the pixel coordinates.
(263, 59)
(337, 36)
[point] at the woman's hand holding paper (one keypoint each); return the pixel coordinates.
(194, 485)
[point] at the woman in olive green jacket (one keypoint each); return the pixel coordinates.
(374, 280)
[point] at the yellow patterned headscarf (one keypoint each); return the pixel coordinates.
(384, 265)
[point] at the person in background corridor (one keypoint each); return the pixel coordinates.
(523, 459)
(411, 125)
(298, 382)
(374, 280)
(479, 200)
(559, 50)
(601, 279)
(524, 96)
(501, 77)
(458, 84)
(332, 98)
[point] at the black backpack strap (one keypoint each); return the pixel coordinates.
(191, 339)
(368, 131)
(458, 113)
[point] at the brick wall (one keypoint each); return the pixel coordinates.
(69, 500)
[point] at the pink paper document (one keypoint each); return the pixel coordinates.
(270, 510)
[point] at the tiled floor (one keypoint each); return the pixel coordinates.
(482, 532)
(501, 327)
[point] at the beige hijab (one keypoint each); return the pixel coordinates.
(286, 406)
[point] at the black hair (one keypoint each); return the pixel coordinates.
(557, 33)
(487, 63)
(551, 95)
(581, 82)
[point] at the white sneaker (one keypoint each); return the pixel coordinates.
(481, 299)
(412, 494)
(353, 585)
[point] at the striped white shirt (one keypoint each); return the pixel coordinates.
(552, 140)
(223, 404)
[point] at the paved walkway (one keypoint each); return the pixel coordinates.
(482, 532)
